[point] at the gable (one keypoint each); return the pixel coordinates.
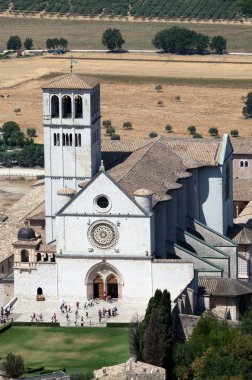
(226, 149)
(102, 187)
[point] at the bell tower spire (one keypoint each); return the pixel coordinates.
(72, 137)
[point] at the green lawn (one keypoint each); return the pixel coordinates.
(75, 349)
(138, 35)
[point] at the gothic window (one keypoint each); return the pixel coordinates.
(55, 106)
(227, 181)
(79, 139)
(63, 139)
(66, 107)
(58, 139)
(246, 164)
(70, 140)
(25, 256)
(78, 107)
(54, 139)
(241, 164)
(67, 139)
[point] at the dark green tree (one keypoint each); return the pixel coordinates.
(213, 131)
(63, 43)
(13, 365)
(246, 6)
(31, 132)
(110, 131)
(234, 133)
(31, 155)
(115, 136)
(112, 39)
(168, 128)
(152, 135)
(246, 322)
(28, 43)
(14, 43)
(247, 109)
(107, 123)
(200, 42)
(191, 129)
(127, 125)
(135, 334)
(218, 44)
(11, 134)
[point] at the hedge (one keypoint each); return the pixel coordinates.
(114, 324)
(5, 327)
(37, 324)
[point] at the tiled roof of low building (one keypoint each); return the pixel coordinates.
(29, 204)
(242, 189)
(218, 286)
(47, 248)
(242, 146)
(241, 234)
(246, 214)
(72, 81)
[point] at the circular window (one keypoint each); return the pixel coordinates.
(102, 203)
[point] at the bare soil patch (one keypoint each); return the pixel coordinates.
(11, 191)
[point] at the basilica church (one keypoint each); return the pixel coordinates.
(123, 218)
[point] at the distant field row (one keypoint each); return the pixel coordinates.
(87, 34)
(211, 9)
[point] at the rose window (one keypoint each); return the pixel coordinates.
(103, 234)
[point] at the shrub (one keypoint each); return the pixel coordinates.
(114, 136)
(152, 135)
(13, 365)
(158, 87)
(160, 103)
(234, 133)
(110, 131)
(213, 131)
(197, 136)
(191, 129)
(247, 109)
(31, 132)
(127, 125)
(107, 123)
(168, 128)
(177, 98)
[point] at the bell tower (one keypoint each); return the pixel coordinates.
(72, 137)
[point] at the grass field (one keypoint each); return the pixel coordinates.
(138, 35)
(75, 349)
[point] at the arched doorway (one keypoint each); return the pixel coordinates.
(112, 286)
(98, 287)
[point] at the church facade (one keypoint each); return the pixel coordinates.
(124, 218)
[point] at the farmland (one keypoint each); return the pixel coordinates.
(165, 9)
(86, 34)
(210, 93)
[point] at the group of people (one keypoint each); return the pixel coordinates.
(107, 313)
(4, 314)
(37, 317)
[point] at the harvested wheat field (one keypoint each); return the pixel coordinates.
(128, 93)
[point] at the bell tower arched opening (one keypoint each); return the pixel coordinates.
(78, 107)
(66, 107)
(54, 106)
(39, 291)
(25, 256)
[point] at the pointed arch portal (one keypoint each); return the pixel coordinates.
(103, 278)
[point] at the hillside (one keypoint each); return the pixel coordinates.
(163, 9)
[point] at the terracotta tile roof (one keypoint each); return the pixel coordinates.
(242, 146)
(48, 248)
(218, 286)
(27, 205)
(72, 81)
(242, 189)
(155, 167)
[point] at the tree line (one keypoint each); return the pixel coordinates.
(18, 149)
(215, 350)
(176, 39)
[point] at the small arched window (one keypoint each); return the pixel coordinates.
(66, 107)
(246, 164)
(241, 164)
(58, 139)
(67, 139)
(78, 107)
(38, 256)
(25, 256)
(55, 106)
(63, 139)
(70, 139)
(46, 257)
(79, 139)
(54, 139)
(39, 291)
(53, 258)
